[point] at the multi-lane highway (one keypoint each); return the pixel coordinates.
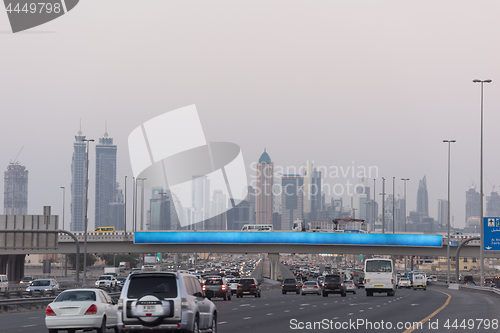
(275, 312)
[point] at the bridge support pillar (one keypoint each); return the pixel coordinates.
(16, 267)
(273, 259)
(3, 263)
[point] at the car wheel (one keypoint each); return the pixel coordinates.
(71, 330)
(224, 297)
(325, 294)
(214, 323)
(229, 296)
(259, 294)
(344, 295)
(297, 292)
(354, 292)
(256, 295)
(303, 294)
(102, 329)
(52, 331)
(116, 329)
(283, 292)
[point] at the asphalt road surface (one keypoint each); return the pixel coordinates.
(438, 308)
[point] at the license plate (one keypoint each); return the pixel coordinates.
(378, 285)
(148, 308)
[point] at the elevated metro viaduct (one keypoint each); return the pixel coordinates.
(272, 243)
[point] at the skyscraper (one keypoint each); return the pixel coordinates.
(443, 214)
(264, 190)
(105, 180)
(493, 205)
(307, 198)
(423, 198)
(472, 205)
(291, 200)
(161, 210)
(78, 182)
(15, 201)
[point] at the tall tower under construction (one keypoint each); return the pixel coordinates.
(15, 200)
(78, 183)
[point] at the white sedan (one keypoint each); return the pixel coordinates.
(81, 309)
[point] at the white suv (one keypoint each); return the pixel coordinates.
(106, 281)
(165, 301)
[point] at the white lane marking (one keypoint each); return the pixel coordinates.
(270, 314)
(222, 322)
(245, 305)
(247, 318)
(286, 311)
(30, 325)
(266, 304)
(335, 317)
(361, 310)
(34, 317)
(304, 304)
(370, 308)
(350, 314)
(301, 308)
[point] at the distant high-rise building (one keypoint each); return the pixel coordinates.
(160, 209)
(78, 183)
(15, 200)
(307, 198)
(472, 205)
(443, 213)
(239, 215)
(117, 210)
(264, 190)
(423, 198)
(493, 205)
(276, 195)
(316, 194)
(105, 180)
(200, 210)
(291, 200)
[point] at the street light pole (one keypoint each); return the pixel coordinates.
(383, 205)
(63, 256)
(142, 202)
(481, 216)
(405, 179)
(125, 211)
(448, 247)
(86, 219)
(374, 204)
(393, 211)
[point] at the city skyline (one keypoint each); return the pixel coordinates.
(364, 84)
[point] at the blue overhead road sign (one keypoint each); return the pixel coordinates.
(491, 233)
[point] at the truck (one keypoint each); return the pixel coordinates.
(150, 260)
(111, 271)
(124, 265)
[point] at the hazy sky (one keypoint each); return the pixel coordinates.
(341, 83)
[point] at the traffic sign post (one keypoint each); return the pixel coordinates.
(491, 226)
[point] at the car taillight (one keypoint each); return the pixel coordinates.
(253, 285)
(91, 310)
(238, 285)
(184, 304)
(316, 287)
(351, 286)
(284, 285)
(223, 288)
(49, 311)
(392, 281)
(203, 288)
(303, 287)
(120, 304)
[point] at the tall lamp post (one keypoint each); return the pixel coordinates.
(125, 211)
(374, 203)
(142, 202)
(405, 179)
(481, 215)
(448, 247)
(86, 219)
(393, 211)
(383, 205)
(63, 256)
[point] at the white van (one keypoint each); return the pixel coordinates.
(4, 283)
(419, 281)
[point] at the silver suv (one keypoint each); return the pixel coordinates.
(165, 301)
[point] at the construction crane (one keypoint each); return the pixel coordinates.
(15, 158)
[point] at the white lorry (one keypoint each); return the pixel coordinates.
(419, 281)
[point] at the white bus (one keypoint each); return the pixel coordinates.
(257, 227)
(380, 276)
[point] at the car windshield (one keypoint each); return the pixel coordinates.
(164, 286)
(105, 277)
(214, 282)
(310, 284)
(27, 278)
(332, 279)
(243, 281)
(76, 296)
(348, 282)
(378, 266)
(290, 281)
(37, 283)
